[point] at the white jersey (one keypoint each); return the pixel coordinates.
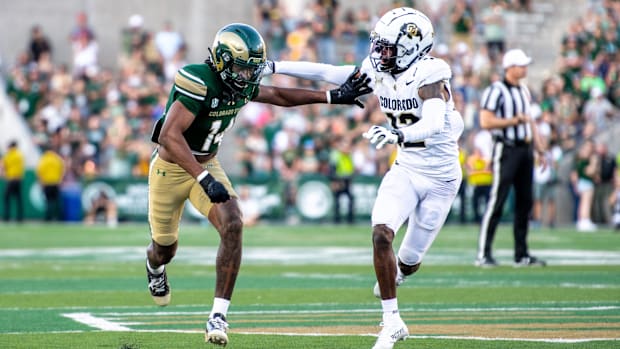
(423, 186)
(438, 155)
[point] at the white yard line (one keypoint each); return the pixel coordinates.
(96, 322)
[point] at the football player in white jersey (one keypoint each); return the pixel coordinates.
(414, 93)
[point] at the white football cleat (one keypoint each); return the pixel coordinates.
(216, 330)
(391, 333)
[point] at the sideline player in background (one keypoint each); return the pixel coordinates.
(202, 106)
(414, 93)
(13, 168)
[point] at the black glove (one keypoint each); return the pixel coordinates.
(214, 189)
(348, 93)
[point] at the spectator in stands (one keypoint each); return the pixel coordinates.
(55, 112)
(463, 23)
(299, 42)
(25, 90)
(571, 61)
(61, 79)
(264, 11)
(177, 62)
(308, 159)
(324, 26)
(363, 23)
(85, 55)
(50, 172)
(494, 19)
(81, 28)
(134, 36)
(168, 42)
(589, 81)
(567, 120)
(599, 110)
(270, 17)
(39, 44)
(13, 166)
(612, 78)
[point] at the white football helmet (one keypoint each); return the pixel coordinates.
(402, 37)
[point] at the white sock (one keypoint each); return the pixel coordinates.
(220, 305)
(390, 309)
(155, 271)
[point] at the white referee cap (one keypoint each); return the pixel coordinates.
(515, 57)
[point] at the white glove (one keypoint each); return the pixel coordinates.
(380, 136)
(270, 67)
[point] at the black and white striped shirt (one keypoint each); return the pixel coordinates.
(508, 101)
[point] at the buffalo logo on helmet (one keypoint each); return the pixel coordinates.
(411, 30)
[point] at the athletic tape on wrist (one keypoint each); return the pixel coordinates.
(328, 96)
(202, 175)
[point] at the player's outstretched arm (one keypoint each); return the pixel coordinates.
(349, 92)
(335, 74)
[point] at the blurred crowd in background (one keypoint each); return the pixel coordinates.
(99, 119)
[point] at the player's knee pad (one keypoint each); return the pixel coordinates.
(382, 235)
(409, 256)
(407, 269)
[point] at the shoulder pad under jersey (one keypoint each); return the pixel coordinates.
(367, 67)
(369, 70)
(431, 69)
(190, 82)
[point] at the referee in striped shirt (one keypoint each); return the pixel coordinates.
(505, 108)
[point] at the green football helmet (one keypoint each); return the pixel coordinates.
(238, 55)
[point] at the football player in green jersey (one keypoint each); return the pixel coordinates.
(203, 104)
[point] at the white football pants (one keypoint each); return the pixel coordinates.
(426, 202)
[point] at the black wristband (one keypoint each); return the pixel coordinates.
(400, 135)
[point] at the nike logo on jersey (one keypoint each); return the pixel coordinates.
(412, 75)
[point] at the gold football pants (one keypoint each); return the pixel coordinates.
(169, 187)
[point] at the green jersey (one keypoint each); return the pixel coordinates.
(200, 90)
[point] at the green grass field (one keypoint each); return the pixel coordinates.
(302, 287)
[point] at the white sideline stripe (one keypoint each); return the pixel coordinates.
(303, 255)
(96, 322)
